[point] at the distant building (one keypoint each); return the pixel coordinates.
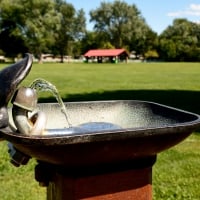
(53, 58)
(106, 55)
(2, 59)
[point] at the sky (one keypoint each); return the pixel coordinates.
(159, 14)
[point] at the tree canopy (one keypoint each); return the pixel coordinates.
(38, 26)
(181, 41)
(73, 27)
(56, 27)
(119, 22)
(30, 21)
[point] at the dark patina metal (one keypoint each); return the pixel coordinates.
(10, 78)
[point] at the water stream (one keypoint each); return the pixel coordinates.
(43, 85)
(90, 127)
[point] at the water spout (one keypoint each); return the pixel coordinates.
(25, 101)
(43, 85)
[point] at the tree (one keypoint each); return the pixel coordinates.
(33, 22)
(151, 55)
(119, 22)
(181, 41)
(10, 44)
(79, 25)
(167, 50)
(89, 41)
(144, 43)
(72, 29)
(94, 40)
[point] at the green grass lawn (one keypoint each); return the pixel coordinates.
(176, 174)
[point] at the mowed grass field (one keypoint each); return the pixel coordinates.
(176, 174)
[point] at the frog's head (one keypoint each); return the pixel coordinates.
(10, 78)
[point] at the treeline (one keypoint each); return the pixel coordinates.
(56, 27)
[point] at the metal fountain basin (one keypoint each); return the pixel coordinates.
(143, 130)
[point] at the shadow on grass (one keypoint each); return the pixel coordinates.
(183, 99)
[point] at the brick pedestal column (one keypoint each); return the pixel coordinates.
(129, 180)
(126, 185)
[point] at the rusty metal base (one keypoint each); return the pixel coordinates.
(131, 184)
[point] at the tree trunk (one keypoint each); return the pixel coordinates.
(40, 60)
(62, 58)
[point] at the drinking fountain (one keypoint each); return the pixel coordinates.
(107, 151)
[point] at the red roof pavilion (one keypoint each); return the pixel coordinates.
(105, 52)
